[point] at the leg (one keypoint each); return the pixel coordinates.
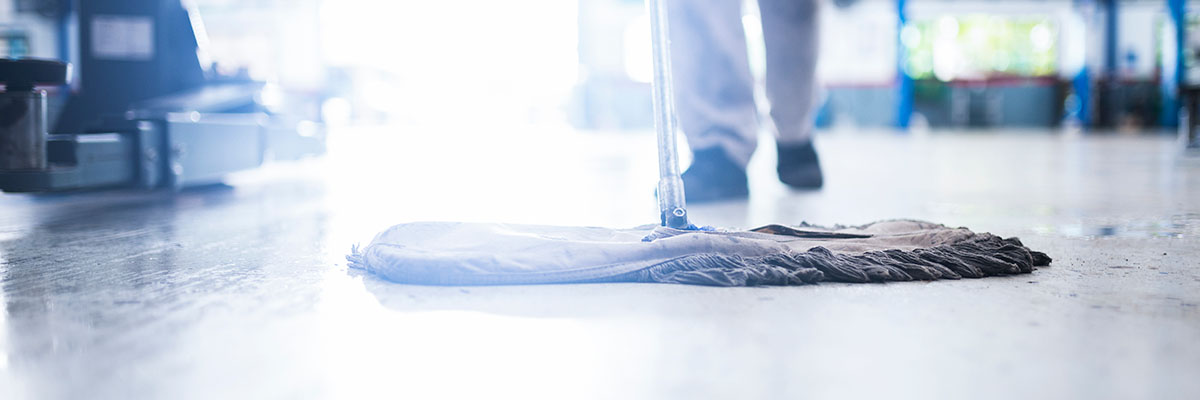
(714, 90)
(714, 96)
(790, 29)
(790, 33)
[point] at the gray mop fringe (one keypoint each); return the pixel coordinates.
(980, 256)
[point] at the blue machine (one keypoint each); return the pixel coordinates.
(144, 109)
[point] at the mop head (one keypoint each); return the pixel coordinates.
(448, 253)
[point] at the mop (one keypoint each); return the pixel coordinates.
(676, 251)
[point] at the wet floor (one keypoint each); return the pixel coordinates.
(241, 291)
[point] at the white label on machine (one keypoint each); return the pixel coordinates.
(122, 37)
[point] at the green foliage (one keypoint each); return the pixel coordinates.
(979, 46)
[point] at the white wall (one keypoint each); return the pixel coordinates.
(858, 44)
(1136, 34)
(42, 32)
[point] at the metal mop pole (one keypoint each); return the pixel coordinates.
(670, 185)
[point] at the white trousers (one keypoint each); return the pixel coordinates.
(714, 89)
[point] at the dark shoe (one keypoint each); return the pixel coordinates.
(799, 166)
(714, 176)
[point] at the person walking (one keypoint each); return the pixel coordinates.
(714, 92)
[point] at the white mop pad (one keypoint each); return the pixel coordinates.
(449, 253)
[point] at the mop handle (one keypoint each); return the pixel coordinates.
(670, 185)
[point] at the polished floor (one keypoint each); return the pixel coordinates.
(241, 291)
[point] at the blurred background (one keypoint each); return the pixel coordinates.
(544, 106)
(1109, 65)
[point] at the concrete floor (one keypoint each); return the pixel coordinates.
(242, 292)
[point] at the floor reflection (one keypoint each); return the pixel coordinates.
(99, 285)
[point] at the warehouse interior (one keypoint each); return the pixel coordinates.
(181, 229)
